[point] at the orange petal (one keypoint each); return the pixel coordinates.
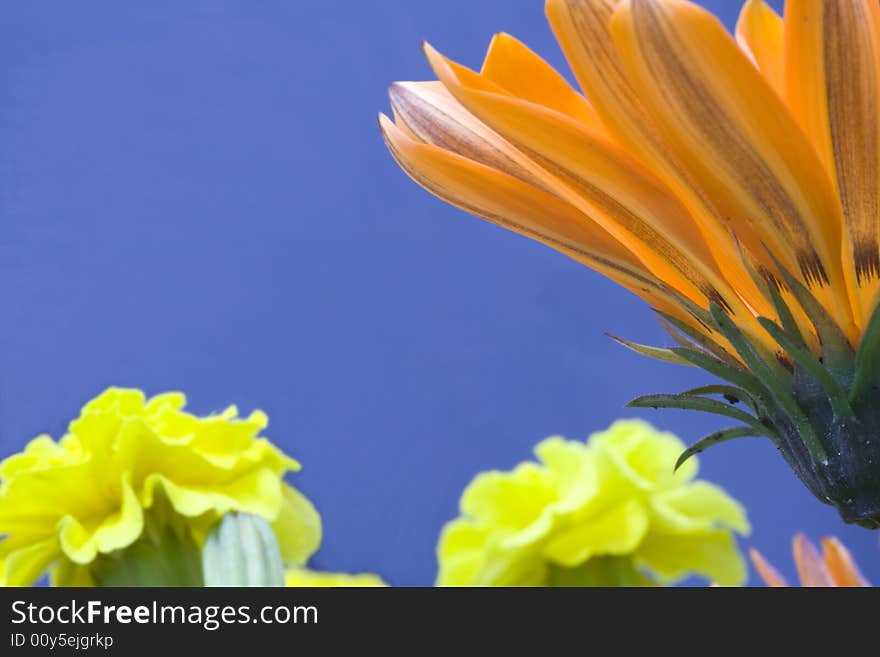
(734, 134)
(513, 204)
(841, 565)
(768, 573)
(833, 88)
(760, 33)
(521, 72)
(582, 29)
(429, 113)
(594, 176)
(811, 569)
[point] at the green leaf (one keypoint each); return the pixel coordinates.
(836, 393)
(691, 403)
(713, 439)
(867, 373)
(657, 353)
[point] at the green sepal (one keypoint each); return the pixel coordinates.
(789, 324)
(162, 556)
(836, 394)
(765, 366)
(769, 286)
(772, 379)
(837, 352)
(697, 340)
(715, 438)
(242, 550)
(731, 394)
(698, 313)
(735, 375)
(866, 381)
(657, 353)
(692, 403)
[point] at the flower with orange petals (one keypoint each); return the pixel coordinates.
(731, 181)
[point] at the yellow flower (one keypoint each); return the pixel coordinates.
(730, 182)
(129, 466)
(834, 567)
(611, 512)
(301, 577)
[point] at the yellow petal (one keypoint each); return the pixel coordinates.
(617, 530)
(82, 539)
(257, 492)
(508, 499)
(734, 134)
(521, 72)
(460, 553)
(300, 577)
(644, 456)
(698, 506)
(298, 527)
(712, 554)
(760, 33)
(833, 88)
(572, 468)
(26, 565)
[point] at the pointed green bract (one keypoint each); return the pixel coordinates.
(765, 369)
(786, 317)
(697, 340)
(772, 378)
(714, 439)
(837, 351)
(732, 394)
(866, 382)
(691, 403)
(822, 413)
(242, 550)
(657, 353)
(836, 394)
(736, 376)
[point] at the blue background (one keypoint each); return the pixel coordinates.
(195, 196)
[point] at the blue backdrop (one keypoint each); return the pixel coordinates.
(195, 196)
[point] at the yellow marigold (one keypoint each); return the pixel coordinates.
(129, 464)
(611, 511)
(300, 577)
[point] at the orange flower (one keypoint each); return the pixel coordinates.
(834, 567)
(731, 182)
